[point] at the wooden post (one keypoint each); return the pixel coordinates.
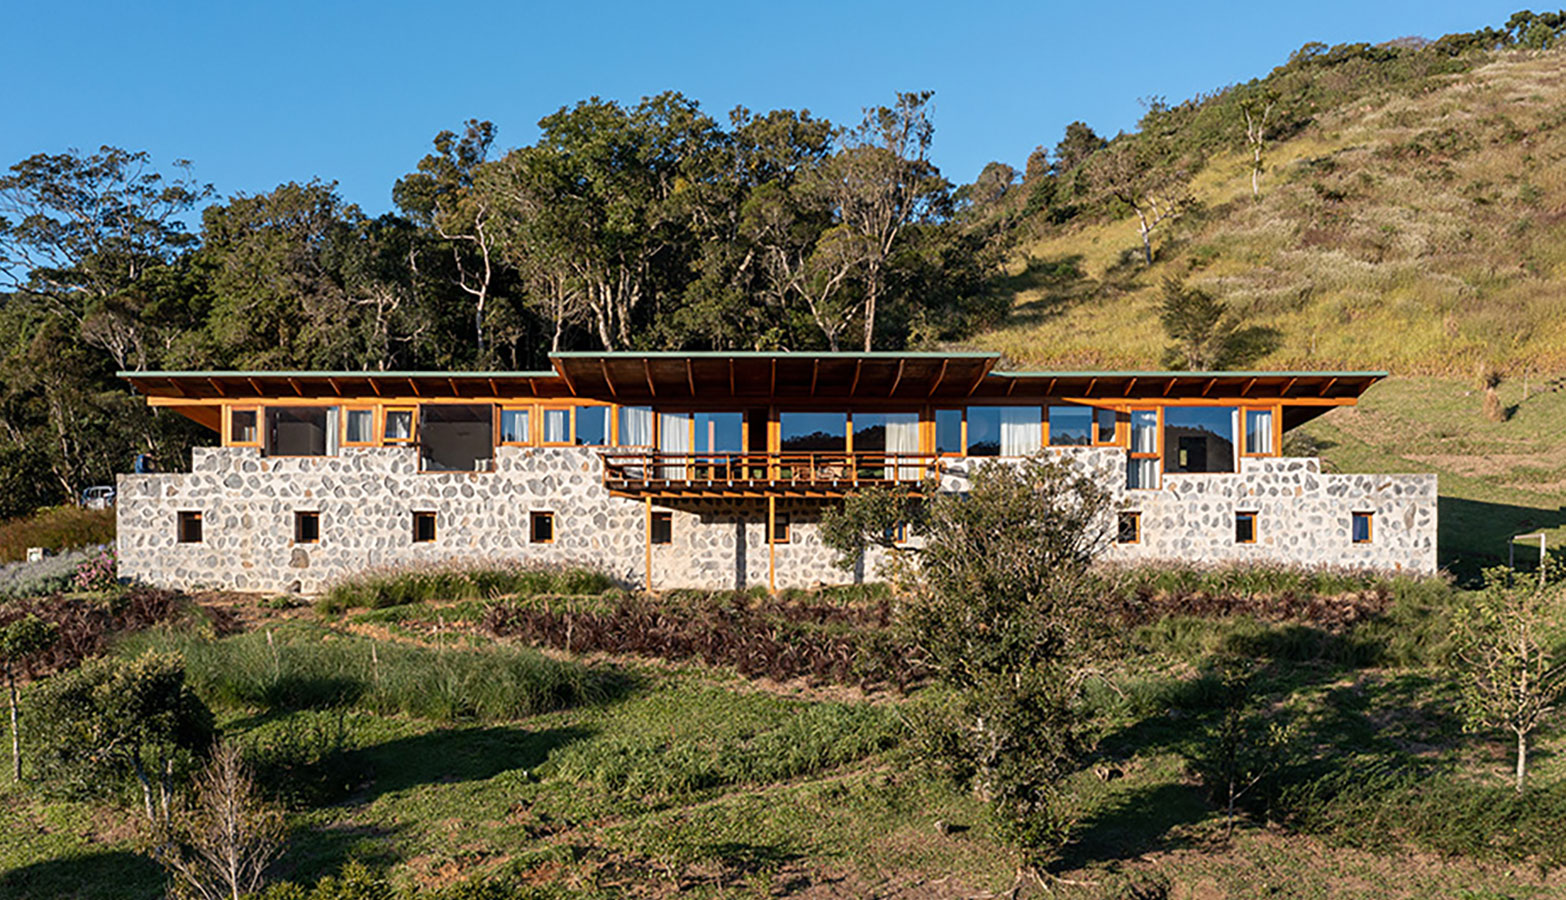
(647, 541)
(772, 550)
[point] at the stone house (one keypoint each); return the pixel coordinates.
(710, 470)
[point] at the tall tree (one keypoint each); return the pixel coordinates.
(443, 195)
(1139, 172)
(1256, 108)
(879, 183)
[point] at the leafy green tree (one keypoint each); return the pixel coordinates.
(1001, 607)
(880, 183)
(113, 720)
(19, 640)
(1198, 324)
(1506, 641)
(1140, 173)
(1246, 748)
(1076, 145)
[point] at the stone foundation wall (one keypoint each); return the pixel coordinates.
(366, 499)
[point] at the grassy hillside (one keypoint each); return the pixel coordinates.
(1420, 229)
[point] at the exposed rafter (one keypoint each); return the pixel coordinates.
(899, 379)
(647, 373)
(603, 366)
(939, 377)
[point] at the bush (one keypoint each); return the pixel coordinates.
(791, 636)
(382, 588)
(86, 624)
(56, 529)
(97, 574)
(301, 667)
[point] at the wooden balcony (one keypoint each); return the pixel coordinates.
(652, 473)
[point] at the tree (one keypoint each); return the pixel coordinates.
(1076, 145)
(1197, 323)
(1256, 108)
(1137, 171)
(1245, 748)
(1509, 676)
(1001, 608)
(880, 182)
(113, 720)
(443, 195)
(18, 641)
(223, 844)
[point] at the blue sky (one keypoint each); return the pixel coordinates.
(262, 93)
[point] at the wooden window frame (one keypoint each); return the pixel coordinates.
(536, 516)
(781, 523)
(962, 431)
(609, 424)
(544, 409)
(300, 516)
(1158, 442)
(434, 521)
(667, 518)
(1370, 526)
(1134, 516)
(228, 424)
(1122, 423)
(412, 409)
(187, 517)
(1255, 518)
(532, 423)
(375, 426)
(1277, 432)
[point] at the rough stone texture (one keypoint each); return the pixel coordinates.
(366, 498)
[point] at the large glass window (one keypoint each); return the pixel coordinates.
(1005, 430)
(802, 432)
(359, 426)
(948, 431)
(1106, 426)
(456, 437)
(301, 430)
(557, 426)
(1258, 432)
(1070, 426)
(1142, 462)
(636, 426)
(720, 432)
(592, 426)
(1199, 438)
(984, 431)
(516, 426)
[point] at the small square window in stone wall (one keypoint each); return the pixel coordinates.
(188, 530)
(661, 528)
(423, 527)
(541, 527)
(1245, 528)
(307, 527)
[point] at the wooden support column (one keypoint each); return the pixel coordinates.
(772, 549)
(647, 540)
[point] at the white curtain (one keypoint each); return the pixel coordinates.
(557, 426)
(902, 436)
(399, 425)
(674, 436)
(1144, 431)
(1258, 431)
(636, 426)
(333, 436)
(1142, 474)
(1021, 430)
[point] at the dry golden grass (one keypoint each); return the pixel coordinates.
(1421, 234)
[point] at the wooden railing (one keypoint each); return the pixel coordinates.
(653, 469)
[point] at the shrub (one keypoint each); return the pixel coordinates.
(304, 667)
(381, 588)
(791, 636)
(86, 624)
(111, 720)
(56, 529)
(97, 573)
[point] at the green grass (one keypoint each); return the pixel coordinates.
(381, 588)
(309, 667)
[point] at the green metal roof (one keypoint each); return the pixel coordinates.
(1198, 373)
(773, 354)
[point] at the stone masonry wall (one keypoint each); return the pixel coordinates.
(366, 498)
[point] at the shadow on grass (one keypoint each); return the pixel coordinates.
(1473, 534)
(1060, 283)
(313, 853)
(452, 755)
(1136, 822)
(116, 874)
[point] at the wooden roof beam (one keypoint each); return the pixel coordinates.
(1211, 383)
(646, 373)
(217, 387)
(294, 383)
(899, 379)
(859, 365)
(335, 386)
(413, 386)
(815, 373)
(603, 366)
(375, 385)
(939, 377)
(690, 376)
(983, 371)
(1130, 386)
(732, 391)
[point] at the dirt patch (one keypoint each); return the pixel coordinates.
(1489, 465)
